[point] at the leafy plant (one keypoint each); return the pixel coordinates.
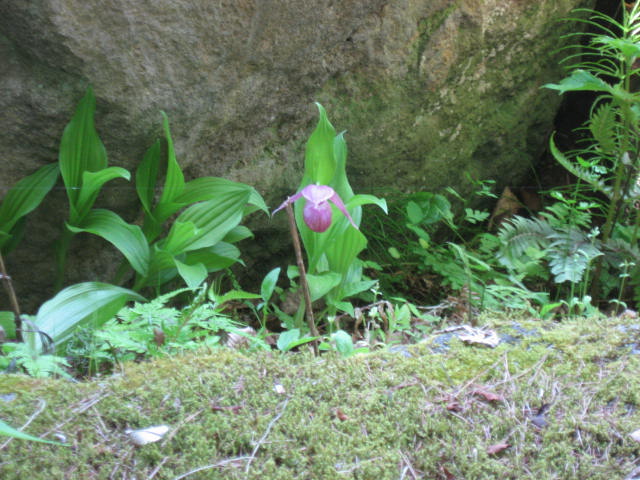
(608, 160)
(21, 199)
(156, 328)
(335, 272)
(200, 239)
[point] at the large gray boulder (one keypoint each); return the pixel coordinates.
(427, 89)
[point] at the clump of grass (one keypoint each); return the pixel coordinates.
(564, 402)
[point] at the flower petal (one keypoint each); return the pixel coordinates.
(288, 201)
(317, 193)
(317, 216)
(337, 201)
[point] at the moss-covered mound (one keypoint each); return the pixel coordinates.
(557, 404)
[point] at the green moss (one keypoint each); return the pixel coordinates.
(365, 417)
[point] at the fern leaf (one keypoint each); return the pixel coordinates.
(602, 125)
(581, 173)
(521, 234)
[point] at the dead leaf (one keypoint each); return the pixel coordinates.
(635, 435)
(487, 395)
(478, 336)
(279, 389)
(233, 408)
(447, 474)
(497, 448)
(238, 340)
(158, 336)
(340, 415)
(147, 435)
(454, 406)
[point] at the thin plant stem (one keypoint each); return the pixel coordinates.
(303, 278)
(13, 299)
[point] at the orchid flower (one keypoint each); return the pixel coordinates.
(317, 211)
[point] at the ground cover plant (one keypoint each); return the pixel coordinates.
(555, 402)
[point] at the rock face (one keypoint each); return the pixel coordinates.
(427, 89)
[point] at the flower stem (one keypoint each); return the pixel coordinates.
(303, 278)
(13, 299)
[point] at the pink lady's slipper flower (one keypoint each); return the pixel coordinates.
(317, 211)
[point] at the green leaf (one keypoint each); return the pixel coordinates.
(344, 343)
(287, 338)
(211, 221)
(210, 188)
(629, 49)
(193, 275)
(174, 181)
(580, 80)
(364, 199)
(79, 305)
(269, 284)
(320, 285)
(9, 431)
(215, 258)
(320, 164)
(237, 234)
(8, 324)
(92, 182)
(25, 196)
(234, 295)
(147, 177)
(128, 239)
(81, 149)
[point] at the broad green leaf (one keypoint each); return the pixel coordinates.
(269, 284)
(363, 199)
(92, 182)
(26, 195)
(210, 188)
(9, 431)
(81, 149)
(128, 239)
(80, 305)
(319, 165)
(147, 177)
(215, 258)
(174, 181)
(237, 234)
(320, 285)
(193, 275)
(286, 338)
(211, 221)
(344, 343)
(580, 80)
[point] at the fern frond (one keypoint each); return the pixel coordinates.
(521, 234)
(570, 253)
(602, 125)
(582, 173)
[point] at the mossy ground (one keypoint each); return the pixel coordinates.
(381, 415)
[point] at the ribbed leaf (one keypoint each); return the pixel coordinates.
(174, 182)
(25, 196)
(81, 149)
(79, 305)
(92, 182)
(320, 165)
(268, 284)
(215, 258)
(128, 239)
(193, 275)
(147, 176)
(212, 220)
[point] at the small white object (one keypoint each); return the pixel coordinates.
(147, 435)
(635, 435)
